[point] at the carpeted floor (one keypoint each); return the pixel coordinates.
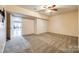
(44, 43)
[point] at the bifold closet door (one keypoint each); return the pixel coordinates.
(27, 26)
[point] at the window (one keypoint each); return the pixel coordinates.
(16, 26)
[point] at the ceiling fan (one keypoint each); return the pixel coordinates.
(48, 9)
(51, 7)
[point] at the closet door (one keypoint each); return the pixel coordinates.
(27, 26)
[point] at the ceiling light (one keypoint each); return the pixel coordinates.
(48, 10)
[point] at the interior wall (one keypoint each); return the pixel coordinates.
(66, 23)
(41, 26)
(27, 26)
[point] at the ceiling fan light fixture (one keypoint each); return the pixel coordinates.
(48, 11)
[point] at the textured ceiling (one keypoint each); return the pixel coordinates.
(61, 9)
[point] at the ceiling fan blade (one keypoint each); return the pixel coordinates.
(55, 9)
(53, 6)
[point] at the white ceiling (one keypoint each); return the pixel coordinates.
(61, 9)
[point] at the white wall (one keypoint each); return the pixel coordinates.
(66, 23)
(41, 26)
(27, 26)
